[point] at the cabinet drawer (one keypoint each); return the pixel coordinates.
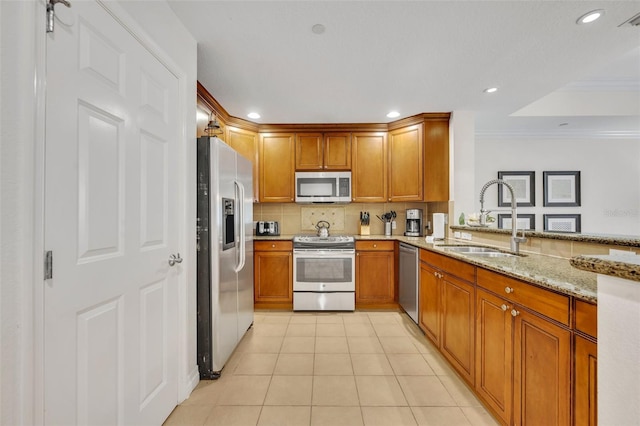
(587, 318)
(548, 303)
(374, 245)
(272, 246)
(460, 269)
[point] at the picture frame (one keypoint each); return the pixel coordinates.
(524, 221)
(524, 187)
(566, 223)
(561, 189)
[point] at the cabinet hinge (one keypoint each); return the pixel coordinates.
(48, 265)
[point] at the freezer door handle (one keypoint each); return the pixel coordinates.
(242, 234)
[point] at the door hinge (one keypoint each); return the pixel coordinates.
(48, 265)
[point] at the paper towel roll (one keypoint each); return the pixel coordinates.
(438, 226)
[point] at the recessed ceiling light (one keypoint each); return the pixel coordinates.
(318, 29)
(253, 115)
(590, 16)
(393, 114)
(490, 90)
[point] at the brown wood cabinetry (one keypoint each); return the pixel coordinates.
(323, 151)
(273, 274)
(436, 159)
(246, 143)
(276, 168)
(375, 273)
(538, 351)
(369, 167)
(585, 386)
(406, 164)
(446, 309)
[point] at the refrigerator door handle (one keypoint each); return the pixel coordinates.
(240, 206)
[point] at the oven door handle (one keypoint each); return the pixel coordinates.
(303, 254)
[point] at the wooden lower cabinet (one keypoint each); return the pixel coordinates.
(375, 273)
(586, 382)
(523, 361)
(494, 353)
(429, 305)
(541, 372)
(447, 309)
(273, 274)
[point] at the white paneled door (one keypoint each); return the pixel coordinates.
(110, 310)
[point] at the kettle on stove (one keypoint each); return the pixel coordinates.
(323, 231)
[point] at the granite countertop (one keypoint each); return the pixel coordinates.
(550, 272)
(617, 265)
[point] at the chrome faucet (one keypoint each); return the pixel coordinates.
(515, 240)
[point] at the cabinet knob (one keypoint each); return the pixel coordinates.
(504, 307)
(273, 246)
(514, 313)
(508, 290)
(375, 246)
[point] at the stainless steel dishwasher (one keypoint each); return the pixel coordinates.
(408, 280)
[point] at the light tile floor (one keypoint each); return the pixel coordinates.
(355, 368)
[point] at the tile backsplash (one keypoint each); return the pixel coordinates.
(344, 218)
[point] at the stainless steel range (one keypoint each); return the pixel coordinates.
(324, 273)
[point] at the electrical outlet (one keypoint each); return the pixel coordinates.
(465, 236)
(456, 234)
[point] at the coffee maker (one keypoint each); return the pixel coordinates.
(414, 223)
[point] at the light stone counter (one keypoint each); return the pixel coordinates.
(621, 266)
(550, 272)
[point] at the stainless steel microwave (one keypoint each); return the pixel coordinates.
(323, 187)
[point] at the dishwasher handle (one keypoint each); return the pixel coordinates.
(408, 248)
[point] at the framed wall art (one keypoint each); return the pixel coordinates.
(561, 189)
(562, 222)
(523, 183)
(524, 221)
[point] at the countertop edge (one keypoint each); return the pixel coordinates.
(626, 267)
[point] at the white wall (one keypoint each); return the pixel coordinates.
(609, 169)
(462, 163)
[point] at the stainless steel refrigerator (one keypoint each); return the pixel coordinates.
(224, 253)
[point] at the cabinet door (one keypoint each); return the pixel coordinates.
(375, 277)
(309, 151)
(586, 383)
(273, 276)
(246, 143)
(458, 319)
(542, 360)
(277, 162)
(429, 306)
(436, 160)
(405, 164)
(369, 167)
(337, 151)
(494, 353)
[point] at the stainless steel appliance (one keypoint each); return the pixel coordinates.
(324, 273)
(408, 280)
(414, 223)
(225, 253)
(323, 187)
(267, 228)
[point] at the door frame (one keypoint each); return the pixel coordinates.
(33, 307)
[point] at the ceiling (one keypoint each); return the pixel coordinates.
(553, 75)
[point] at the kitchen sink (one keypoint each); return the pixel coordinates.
(477, 251)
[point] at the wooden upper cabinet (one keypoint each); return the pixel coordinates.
(246, 143)
(323, 151)
(369, 167)
(277, 168)
(436, 159)
(406, 164)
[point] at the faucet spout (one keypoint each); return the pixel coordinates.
(515, 240)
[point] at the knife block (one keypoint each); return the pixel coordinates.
(365, 229)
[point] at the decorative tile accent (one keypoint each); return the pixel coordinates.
(311, 215)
